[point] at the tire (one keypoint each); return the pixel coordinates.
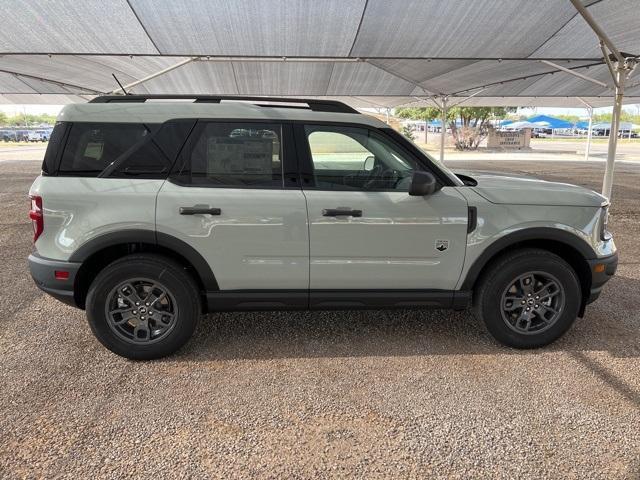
(136, 330)
(518, 277)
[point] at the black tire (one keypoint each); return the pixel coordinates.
(493, 294)
(180, 288)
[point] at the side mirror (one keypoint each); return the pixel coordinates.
(423, 183)
(369, 163)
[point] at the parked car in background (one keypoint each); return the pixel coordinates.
(8, 136)
(44, 135)
(22, 135)
(34, 136)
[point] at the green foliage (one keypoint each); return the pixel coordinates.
(469, 125)
(407, 131)
(30, 119)
(418, 113)
(625, 116)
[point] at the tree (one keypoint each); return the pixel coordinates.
(418, 113)
(407, 131)
(469, 125)
(20, 120)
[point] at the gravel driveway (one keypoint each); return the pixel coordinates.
(317, 395)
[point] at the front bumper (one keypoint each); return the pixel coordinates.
(599, 278)
(43, 273)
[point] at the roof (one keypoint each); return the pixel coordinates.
(550, 122)
(368, 52)
(607, 126)
(159, 112)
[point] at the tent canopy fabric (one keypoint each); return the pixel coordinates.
(521, 124)
(550, 122)
(375, 53)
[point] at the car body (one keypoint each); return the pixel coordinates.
(8, 136)
(269, 206)
(34, 136)
(43, 135)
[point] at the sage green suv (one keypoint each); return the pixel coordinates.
(149, 213)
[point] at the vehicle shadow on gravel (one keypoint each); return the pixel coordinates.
(611, 324)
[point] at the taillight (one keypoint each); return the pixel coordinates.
(35, 214)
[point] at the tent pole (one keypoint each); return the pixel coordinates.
(620, 71)
(607, 184)
(156, 74)
(589, 132)
(589, 108)
(443, 134)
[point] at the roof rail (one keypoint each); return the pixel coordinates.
(313, 104)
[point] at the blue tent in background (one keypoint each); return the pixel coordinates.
(582, 125)
(552, 122)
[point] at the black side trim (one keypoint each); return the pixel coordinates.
(472, 219)
(110, 239)
(255, 300)
(234, 300)
(372, 299)
(154, 238)
(536, 233)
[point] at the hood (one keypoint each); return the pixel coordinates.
(521, 190)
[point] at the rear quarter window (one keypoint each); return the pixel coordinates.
(91, 147)
(54, 148)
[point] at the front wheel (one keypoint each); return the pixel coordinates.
(143, 306)
(528, 298)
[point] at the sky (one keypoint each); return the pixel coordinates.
(581, 112)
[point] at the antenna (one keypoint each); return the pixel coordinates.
(118, 81)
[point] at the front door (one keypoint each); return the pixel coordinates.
(366, 232)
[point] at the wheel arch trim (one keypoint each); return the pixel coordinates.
(525, 235)
(152, 237)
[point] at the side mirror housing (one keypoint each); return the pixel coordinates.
(369, 163)
(423, 183)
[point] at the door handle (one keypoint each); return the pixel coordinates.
(200, 210)
(341, 212)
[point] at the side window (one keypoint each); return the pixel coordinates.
(351, 158)
(153, 156)
(54, 148)
(91, 147)
(233, 155)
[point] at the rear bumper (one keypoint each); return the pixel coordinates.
(43, 274)
(598, 279)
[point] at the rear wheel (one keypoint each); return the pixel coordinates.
(143, 306)
(528, 298)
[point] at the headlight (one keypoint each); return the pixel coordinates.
(604, 224)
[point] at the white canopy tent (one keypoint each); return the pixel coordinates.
(368, 53)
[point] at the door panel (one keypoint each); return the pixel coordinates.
(392, 245)
(258, 241)
(387, 239)
(236, 213)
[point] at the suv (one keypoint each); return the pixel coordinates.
(149, 213)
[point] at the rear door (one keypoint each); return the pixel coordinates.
(228, 199)
(366, 231)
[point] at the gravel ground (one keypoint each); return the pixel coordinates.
(317, 395)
